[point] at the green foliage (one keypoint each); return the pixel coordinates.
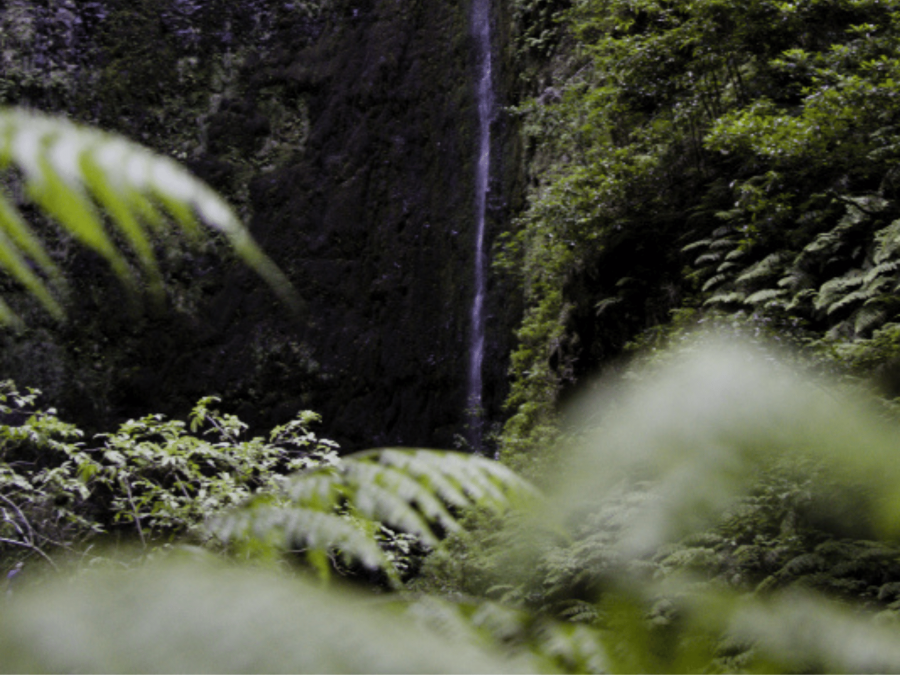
(554, 645)
(350, 507)
(730, 156)
(165, 480)
(42, 490)
(711, 493)
(153, 477)
(199, 616)
(537, 26)
(69, 170)
(170, 481)
(716, 512)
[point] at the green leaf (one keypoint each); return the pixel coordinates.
(70, 170)
(408, 490)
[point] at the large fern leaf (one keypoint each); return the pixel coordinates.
(415, 491)
(77, 175)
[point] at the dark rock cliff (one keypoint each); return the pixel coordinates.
(343, 131)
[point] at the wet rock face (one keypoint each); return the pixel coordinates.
(373, 220)
(344, 132)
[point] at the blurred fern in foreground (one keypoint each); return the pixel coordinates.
(193, 617)
(717, 512)
(85, 178)
(713, 494)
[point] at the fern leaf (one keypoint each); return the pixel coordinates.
(72, 173)
(801, 298)
(849, 299)
(881, 268)
(767, 267)
(868, 317)
(714, 281)
(708, 258)
(579, 611)
(835, 289)
(723, 244)
(888, 240)
(725, 298)
(727, 265)
(605, 304)
(484, 481)
(765, 295)
(410, 490)
(696, 244)
(866, 294)
(796, 280)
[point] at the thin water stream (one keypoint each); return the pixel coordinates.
(481, 31)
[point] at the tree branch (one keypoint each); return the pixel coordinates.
(32, 547)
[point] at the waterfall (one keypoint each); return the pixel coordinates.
(481, 31)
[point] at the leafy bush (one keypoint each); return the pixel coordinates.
(712, 155)
(160, 479)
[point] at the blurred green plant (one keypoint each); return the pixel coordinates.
(203, 616)
(703, 510)
(84, 179)
(718, 510)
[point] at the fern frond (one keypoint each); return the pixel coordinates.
(714, 281)
(702, 243)
(826, 242)
(302, 529)
(888, 240)
(868, 317)
(765, 268)
(852, 298)
(801, 298)
(413, 491)
(461, 479)
(765, 295)
(727, 265)
(796, 280)
(76, 174)
(835, 289)
(579, 611)
(708, 258)
(720, 244)
(881, 268)
(725, 298)
(605, 304)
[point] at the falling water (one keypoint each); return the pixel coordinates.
(481, 31)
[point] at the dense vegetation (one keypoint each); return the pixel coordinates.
(709, 505)
(714, 155)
